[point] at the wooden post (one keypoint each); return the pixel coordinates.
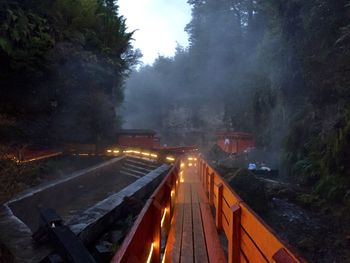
(211, 188)
(218, 216)
(202, 173)
(206, 174)
(157, 231)
(234, 239)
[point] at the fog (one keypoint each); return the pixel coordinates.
(206, 87)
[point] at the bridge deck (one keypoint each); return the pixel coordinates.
(193, 236)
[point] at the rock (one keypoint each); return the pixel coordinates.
(250, 189)
(306, 244)
(287, 193)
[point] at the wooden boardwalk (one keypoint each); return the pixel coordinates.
(193, 236)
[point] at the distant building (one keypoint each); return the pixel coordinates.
(235, 142)
(138, 138)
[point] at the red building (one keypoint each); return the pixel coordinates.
(235, 142)
(138, 138)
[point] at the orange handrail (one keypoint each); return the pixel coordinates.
(249, 238)
(143, 242)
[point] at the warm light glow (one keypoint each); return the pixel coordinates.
(182, 165)
(145, 154)
(109, 151)
(182, 180)
(136, 152)
(128, 151)
(150, 254)
(190, 164)
(163, 218)
(80, 154)
(190, 158)
(116, 151)
(154, 155)
(163, 260)
(169, 158)
(172, 193)
(195, 159)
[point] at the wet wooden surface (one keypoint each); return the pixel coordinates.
(193, 236)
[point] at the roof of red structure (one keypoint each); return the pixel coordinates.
(136, 132)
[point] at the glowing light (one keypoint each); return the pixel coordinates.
(116, 151)
(145, 154)
(163, 218)
(163, 260)
(190, 158)
(154, 155)
(82, 154)
(136, 152)
(109, 151)
(195, 159)
(172, 193)
(182, 165)
(169, 158)
(128, 151)
(150, 254)
(190, 164)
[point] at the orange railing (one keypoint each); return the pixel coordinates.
(249, 238)
(146, 240)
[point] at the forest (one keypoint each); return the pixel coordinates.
(278, 69)
(63, 64)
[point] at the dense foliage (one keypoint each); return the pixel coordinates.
(279, 69)
(62, 63)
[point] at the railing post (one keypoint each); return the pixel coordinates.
(157, 234)
(211, 188)
(234, 239)
(218, 216)
(202, 172)
(206, 180)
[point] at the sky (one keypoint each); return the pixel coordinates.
(159, 23)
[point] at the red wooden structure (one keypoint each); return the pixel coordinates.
(138, 138)
(177, 224)
(235, 142)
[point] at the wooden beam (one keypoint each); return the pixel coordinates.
(234, 239)
(218, 216)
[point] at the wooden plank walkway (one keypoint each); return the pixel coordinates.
(193, 236)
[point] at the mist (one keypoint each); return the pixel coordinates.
(206, 87)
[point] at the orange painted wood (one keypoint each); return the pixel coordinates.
(250, 250)
(211, 188)
(214, 248)
(243, 258)
(218, 210)
(156, 237)
(215, 251)
(234, 239)
(173, 247)
(263, 235)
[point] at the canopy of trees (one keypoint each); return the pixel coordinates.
(62, 63)
(279, 69)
